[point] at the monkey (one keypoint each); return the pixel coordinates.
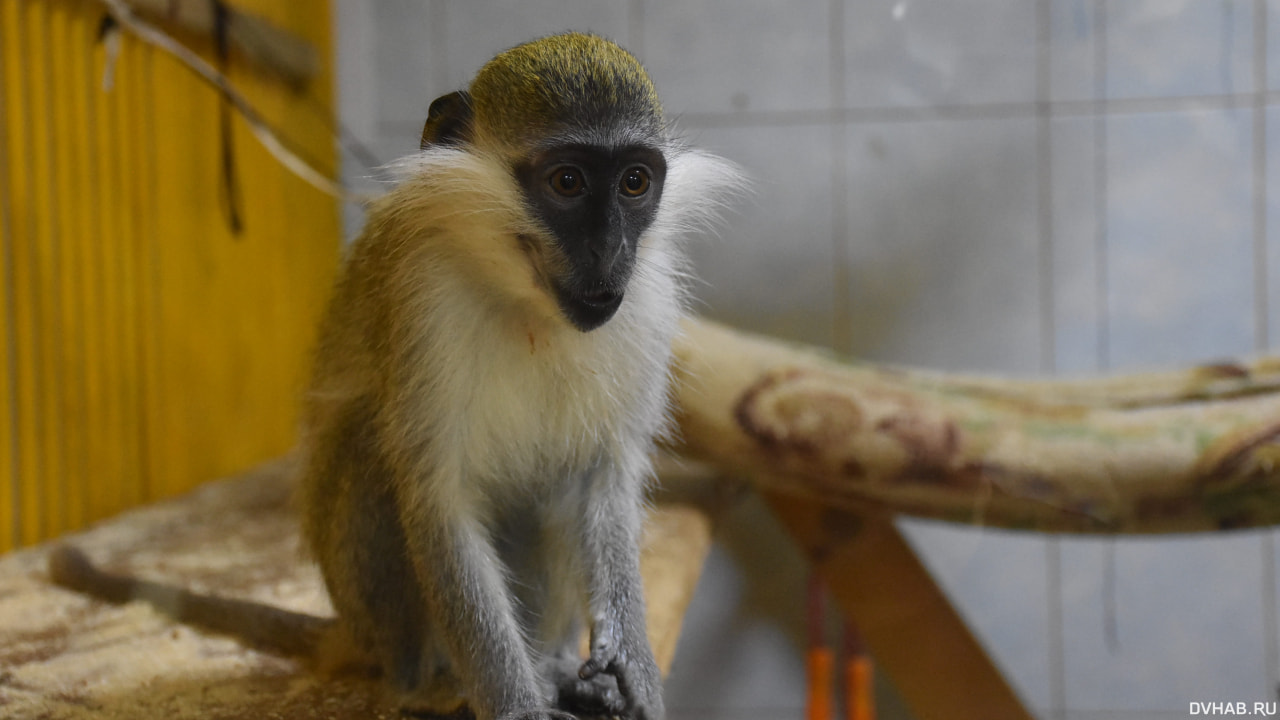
(489, 381)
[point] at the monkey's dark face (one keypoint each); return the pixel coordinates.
(595, 203)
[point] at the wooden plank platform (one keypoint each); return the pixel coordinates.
(67, 657)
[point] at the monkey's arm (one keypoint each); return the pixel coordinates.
(610, 552)
(262, 626)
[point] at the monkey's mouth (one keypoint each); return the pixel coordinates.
(588, 309)
(601, 299)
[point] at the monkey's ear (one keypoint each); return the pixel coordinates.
(448, 120)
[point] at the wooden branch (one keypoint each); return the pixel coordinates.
(1166, 452)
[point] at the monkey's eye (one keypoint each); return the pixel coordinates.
(635, 182)
(567, 181)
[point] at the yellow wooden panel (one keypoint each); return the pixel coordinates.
(151, 347)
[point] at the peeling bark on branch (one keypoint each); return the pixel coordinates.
(1163, 452)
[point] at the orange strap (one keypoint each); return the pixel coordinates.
(860, 698)
(820, 661)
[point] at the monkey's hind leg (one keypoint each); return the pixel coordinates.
(365, 562)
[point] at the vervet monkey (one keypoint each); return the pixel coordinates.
(488, 384)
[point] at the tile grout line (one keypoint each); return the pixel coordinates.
(1101, 168)
(1114, 107)
(1048, 336)
(1044, 190)
(842, 292)
(1259, 107)
(1262, 320)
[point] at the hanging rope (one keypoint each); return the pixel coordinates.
(262, 131)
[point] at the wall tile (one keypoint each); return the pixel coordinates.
(1072, 46)
(739, 55)
(944, 53)
(742, 644)
(1179, 235)
(1273, 225)
(356, 83)
(1179, 47)
(996, 580)
(771, 270)
(1075, 273)
(1273, 44)
(942, 223)
(1187, 619)
(407, 55)
(479, 29)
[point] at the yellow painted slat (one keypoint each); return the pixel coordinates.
(148, 270)
(83, 436)
(47, 251)
(8, 445)
(25, 274)
(125, 106)
(100, 445)
(106, 497)
(67, 340)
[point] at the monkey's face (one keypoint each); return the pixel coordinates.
(594, 202)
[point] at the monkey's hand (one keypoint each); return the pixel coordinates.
(594, 697)
(627, 657)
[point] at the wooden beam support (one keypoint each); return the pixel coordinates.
(911, 628)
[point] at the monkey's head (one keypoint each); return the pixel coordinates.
(578, 122)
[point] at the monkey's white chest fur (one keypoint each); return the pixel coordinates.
(530, 398)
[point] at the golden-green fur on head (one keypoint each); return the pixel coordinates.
(564, 85)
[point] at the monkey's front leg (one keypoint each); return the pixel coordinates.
(472, 609)
(611, 551)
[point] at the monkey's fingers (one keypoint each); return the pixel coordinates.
(594, 697)
(604, 655)
(638, 681)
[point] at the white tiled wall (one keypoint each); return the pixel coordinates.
(1010, 186)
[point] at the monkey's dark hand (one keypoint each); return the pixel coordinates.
(591, 698)
(631, 663)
